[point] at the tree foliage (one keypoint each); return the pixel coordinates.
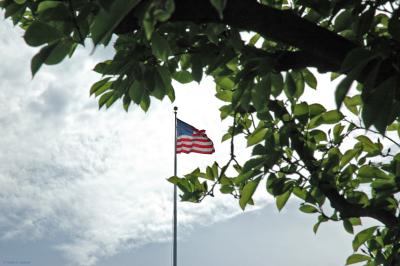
(259, 54)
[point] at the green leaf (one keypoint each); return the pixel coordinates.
(290, 86)
(225, 83)
(348, 156)
(276, 84)
(344, 86)
(98, 85)
(335, 75)
(12, 9)
(224, 95)
(318, 135)
(343, 20)
(160, 47)
(254, 39)
(355, 258)
(261, 92)
(337, 133)
(299, 81)
(342, 89)
(315, 122)
(370, 172)
(363, 236)
(306, 208)
(226, 189)
(378, 105)
(182, 76)
(316, 109)
(384, 185)
(256, 137)
(103, 88)
(166, 79)
(348, 226)
(244, 176)
(126, 102)
(111, 101)
(282, 199)
(355, 221)
(310, 78)
(300, 109)
(197, 68)
(38, 60)
(145, 103)
(332, 117)
(219, 5)
(148, 25)
(165, 13)
(59, 52)
(352, 103)
(39, 33)
(359, 198)
(47, 5)
(107, 20)
(368, 145)
(321, 219)
(174, 180)
(50, 55)
(159, 89)
(104, 98)
(136, 91)
(210, 174)
(248, 191)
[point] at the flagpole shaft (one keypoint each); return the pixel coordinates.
(175, 199)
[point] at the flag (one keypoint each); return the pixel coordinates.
(190, 139)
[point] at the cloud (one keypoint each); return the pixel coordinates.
(97, 177)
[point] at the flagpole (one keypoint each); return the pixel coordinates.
(174, 256)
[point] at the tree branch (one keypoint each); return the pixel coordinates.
(280, 25)
(285, 61)
(337, 200)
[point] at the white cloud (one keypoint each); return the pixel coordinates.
(96, 176)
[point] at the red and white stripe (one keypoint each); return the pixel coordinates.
(198, 143)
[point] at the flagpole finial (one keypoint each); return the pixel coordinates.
(175, 108)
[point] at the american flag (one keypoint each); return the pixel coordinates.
(190, 139)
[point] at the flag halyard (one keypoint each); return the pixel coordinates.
(190, 139)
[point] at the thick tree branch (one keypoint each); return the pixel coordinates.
(337, 200)
(285, 61)
(324, 46)
(282, 26)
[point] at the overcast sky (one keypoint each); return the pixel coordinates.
(85, 187)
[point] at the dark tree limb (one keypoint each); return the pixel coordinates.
(282, 26)
(324, 46)
(285, 61)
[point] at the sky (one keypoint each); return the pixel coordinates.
(83, 187)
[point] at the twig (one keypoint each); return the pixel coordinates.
(225, 167)
(252, 120)
(373, 131)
